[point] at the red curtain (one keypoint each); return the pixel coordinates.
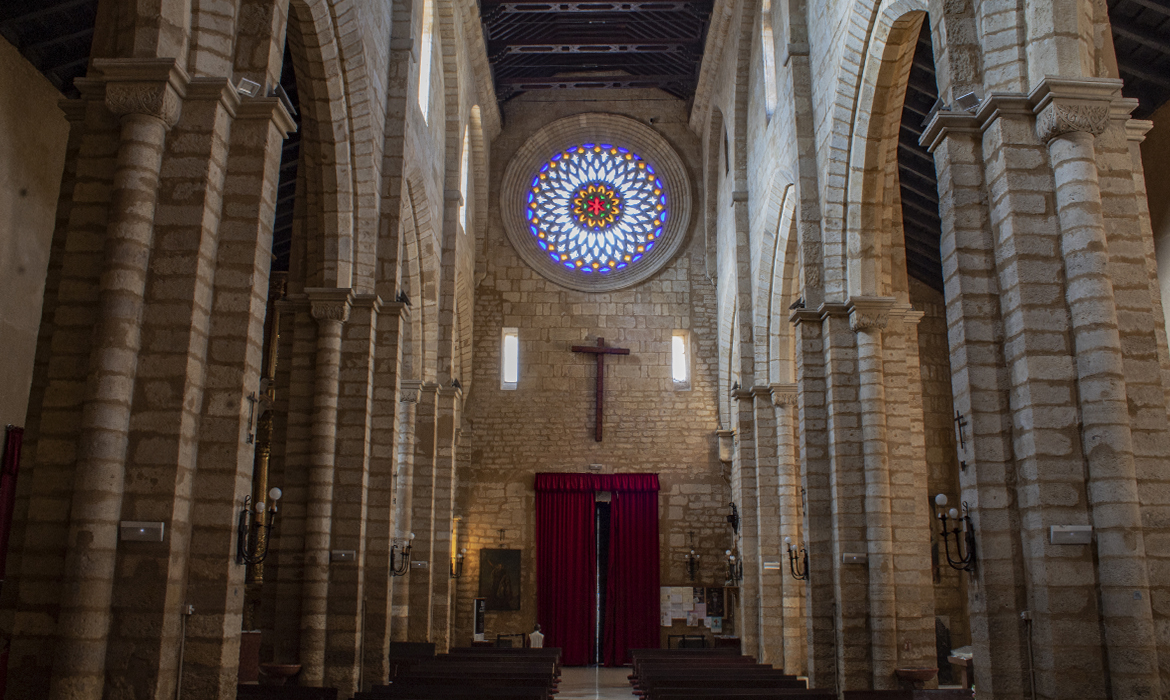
(8, 469)
(566, 558)
(632, 603)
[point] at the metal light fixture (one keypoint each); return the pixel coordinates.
(733, 518)
(457, 564)
(799, 571)
(961, 562)
(734, 568)
(252, 541)
(403, 565)
(692, 564)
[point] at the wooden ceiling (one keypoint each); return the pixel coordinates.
(920, 219)
(627, 44)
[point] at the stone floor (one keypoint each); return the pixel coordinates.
(594, 684)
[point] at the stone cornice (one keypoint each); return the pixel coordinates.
(330, 303)
(783, 394)
(394, 308)
(214, 89)
(1136, 129)
(1064, 106)
(800, 316)
(944, 123)
(267, 108)
(869, 313)
(154, 87)
(761, 392)
(367, 301)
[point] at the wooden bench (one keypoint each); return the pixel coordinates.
(748, 694)
(925, 694)
(283, 692)
(454, 693)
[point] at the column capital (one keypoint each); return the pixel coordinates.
(783, 394)
(373, 302)
(214, 90)
(330, 303)
(1064, 106)
(869, 313)
(408, 390)
(944, 123)
(154, 87)
(267, 108)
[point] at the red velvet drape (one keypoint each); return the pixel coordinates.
(566, 558)
(8, 468)
(566, 564)
(632, 603)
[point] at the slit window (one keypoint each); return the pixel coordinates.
(510, 358)
(680, 364)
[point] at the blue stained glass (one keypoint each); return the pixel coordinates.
(597, 207)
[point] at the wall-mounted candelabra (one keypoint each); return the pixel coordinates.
(733, 518)
(692, 559)
(252, 532)
(402, 565)
(799, 569)
(961, 561)
(734, 568)
(457, 564)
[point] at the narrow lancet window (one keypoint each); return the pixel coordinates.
(510, 357)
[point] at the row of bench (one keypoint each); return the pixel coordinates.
(473, 672)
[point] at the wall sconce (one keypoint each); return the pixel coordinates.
(252, 540)
(403, 565)
(734, 568)
(457, 565)
(692, 564)
(963, 562)
(733, 519)
(799, 571)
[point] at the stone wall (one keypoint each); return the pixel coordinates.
(33, 131)
(546, 423)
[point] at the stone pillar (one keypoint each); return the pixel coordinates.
(380, 522)
(815, 479)
(347, 599)
(769, 581)
(448, 409)
(331, 309)
(403, 506)
(744, 490)
(867, 318)
(423, 514)
(243, 259)
(789, 493)
(146, 95)
(1070, 115)
(980, 386)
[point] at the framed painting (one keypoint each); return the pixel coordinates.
(499, 578)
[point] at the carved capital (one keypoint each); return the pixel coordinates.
(1064, 106)
(869, 313)
(784, 394)
(408, 390)
(330, 303)
(150, 87)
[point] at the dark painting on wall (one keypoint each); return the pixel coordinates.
(715, 602)
(499, 578)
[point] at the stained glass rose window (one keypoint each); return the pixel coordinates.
(597, 208)
(596, 202)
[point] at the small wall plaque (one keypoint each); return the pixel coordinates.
(1070, 534)
(854, 558)
(345, 555)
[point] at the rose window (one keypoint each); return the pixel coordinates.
(597, 208)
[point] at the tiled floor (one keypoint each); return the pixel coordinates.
(594, 684)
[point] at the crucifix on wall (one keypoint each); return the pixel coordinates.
(600, 351)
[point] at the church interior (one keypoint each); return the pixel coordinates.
(829, 331)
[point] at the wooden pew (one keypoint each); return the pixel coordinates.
(925, 694)
(456, 693)
(283, 692)
(748, 694)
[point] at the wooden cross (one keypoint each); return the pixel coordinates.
(600, 351)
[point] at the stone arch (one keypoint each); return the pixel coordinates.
(765, 249)
(869, 26)
(421, 261)
(784, 285)
(326, 144)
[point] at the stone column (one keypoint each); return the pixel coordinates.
(384, 464)
(351, 485)
(789, 491)
(867, 318)
(403, 505)
(422, 516)
(744, 490)
(981, 390)
(448, 409)
(145, 94)
(769, 581)
(815, 479)
(1070, 114)
(331, 309)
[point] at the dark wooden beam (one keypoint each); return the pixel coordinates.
(609, 81)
